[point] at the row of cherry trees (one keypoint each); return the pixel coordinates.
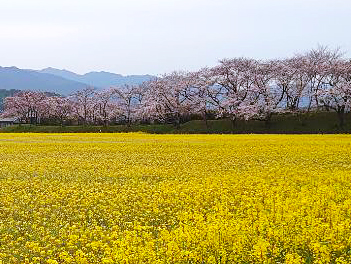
(244, 88)
(87, 106)
(239, 88)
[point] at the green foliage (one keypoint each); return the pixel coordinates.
(319, 122)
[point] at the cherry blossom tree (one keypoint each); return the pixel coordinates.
(317, 63)
(234, 78)
(28, 106)
(170, 97)
(107, 108)
(204, 96)
(298, 87)
(285, 74)
(336, 94)
(266, 96)
(59, 108)
(128, 97)
(85, 105)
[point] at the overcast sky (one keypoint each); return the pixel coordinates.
(158, 36)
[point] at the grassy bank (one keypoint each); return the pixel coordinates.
(325, 122)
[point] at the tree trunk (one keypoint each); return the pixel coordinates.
(341, 115)
(205, 117)
(128, 117)
(177, 121)
(309, 104)
(267, 121)
(105, 119)
(233, 119)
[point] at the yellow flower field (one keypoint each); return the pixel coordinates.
(139, 198)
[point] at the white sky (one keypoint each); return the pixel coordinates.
(158, 36)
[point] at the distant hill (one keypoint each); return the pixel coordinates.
(19, 79)
(100, 79)
(62, 81)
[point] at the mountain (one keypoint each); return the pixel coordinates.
(19, 79)
(62, 73)
(100, 79)
(62, 81)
